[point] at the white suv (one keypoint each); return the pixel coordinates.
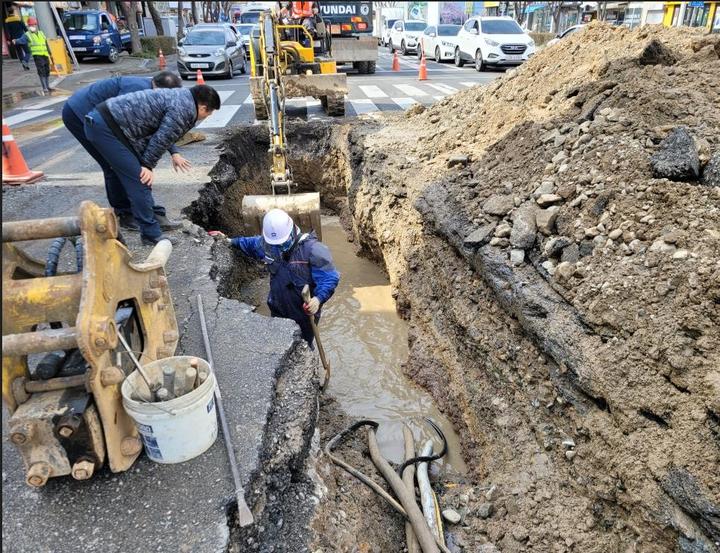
(405, 35)
(493, 41)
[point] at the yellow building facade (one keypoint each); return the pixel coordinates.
(693, 14)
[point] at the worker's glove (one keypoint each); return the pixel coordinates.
(313, 306)
(217, 235)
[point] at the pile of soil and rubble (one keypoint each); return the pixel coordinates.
(554, 241)
(564, 297)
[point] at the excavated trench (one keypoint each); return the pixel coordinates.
(494, 349)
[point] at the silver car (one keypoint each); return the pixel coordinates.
(245, 30)
(213, 50)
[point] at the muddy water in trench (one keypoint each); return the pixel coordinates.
(366, 344)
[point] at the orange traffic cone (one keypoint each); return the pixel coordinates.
(14, 168)
(200, 79)
(396, 62)
(162, 64)
(422, 74)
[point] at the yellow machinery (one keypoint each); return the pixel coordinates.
(285, 63)
(71, 420)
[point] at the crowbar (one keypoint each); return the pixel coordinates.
(245, 517)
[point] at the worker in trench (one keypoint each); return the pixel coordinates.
(131, 132)
(83, 102)
(294, 259)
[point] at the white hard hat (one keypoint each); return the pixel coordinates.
(277, 227)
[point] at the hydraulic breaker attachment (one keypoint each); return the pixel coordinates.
(66, 408)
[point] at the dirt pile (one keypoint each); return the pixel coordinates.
(563, 300)
(562, 293)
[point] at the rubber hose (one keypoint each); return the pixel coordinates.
(79, 255)
(428, 458)
(53, 256)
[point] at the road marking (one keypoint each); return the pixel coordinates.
(469, 84)
(224, 95)
(438, 97)
(404, 103)
(445, 89)
(220, 117)
(410, 90)
(26, 115)
(372, 91)
(46, 103)
(363, 105)
(248, 100)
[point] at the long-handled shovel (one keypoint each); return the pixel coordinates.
(316, 333)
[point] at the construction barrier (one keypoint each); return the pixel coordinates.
(14, 168)
(396, 62)
(162, 64)
(422, 72)
(200, 78)
(61, 62)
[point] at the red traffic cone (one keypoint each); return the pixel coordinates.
(162, 64)
(396, 62)
(14, 168)
(200, 79)
(422, 73)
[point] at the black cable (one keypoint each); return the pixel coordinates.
(427, 458)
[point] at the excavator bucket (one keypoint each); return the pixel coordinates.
(66, 411)
(303, 208)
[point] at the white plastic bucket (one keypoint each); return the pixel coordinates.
(179, 429)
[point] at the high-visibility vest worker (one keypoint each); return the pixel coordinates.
(36, 40)
(301, 10)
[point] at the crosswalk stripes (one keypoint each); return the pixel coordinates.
(363, 105)
(248, 100)
(45, 103)
(225, 95)
(220, 117)
(410, 90)
(372, 91)
(404, 103)
(25, 116)
(468, 84)
(314, 109)
(445, 89)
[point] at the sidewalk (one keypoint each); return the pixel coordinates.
(19, 85)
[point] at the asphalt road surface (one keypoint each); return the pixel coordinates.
(48, 146)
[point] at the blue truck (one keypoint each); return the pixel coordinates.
(96, 33)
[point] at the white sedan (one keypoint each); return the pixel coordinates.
(439, 42)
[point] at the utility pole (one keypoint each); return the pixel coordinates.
(45, 19)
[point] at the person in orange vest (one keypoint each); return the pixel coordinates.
(39, 50)
(305, 12)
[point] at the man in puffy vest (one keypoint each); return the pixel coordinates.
(83, 102)
(293, 259)
(35, 40)
(133, 131)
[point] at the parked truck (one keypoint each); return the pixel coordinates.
(351, 27)
(95, 33)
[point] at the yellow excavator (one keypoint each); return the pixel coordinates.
(286, 61)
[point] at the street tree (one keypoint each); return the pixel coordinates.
(193, 6)
(555, 11)
(602, 10)
(157, 20)
(129, 10)
(180, 22)
(519, 11)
